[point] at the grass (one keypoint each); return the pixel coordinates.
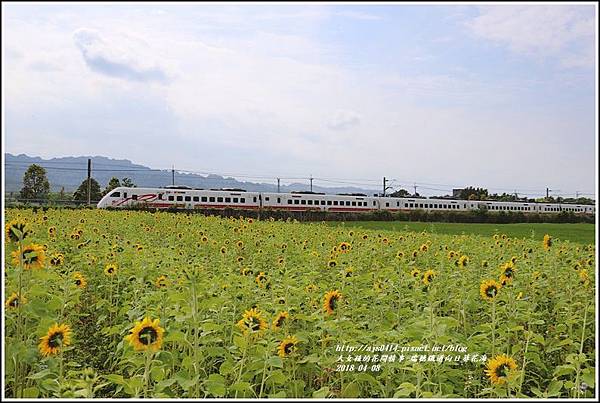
(580, 233)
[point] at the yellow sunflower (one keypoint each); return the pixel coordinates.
(14, 301)
(507, 272)
(110, 269)
(399, 255)
(428, 276)
(331, 301)
(424, 248)
(344, 247)
(17, 229)
(415, 273)
(79, 280)
(500, 368)
(57, 259)
(280, 319)
(463, 261)
(252, 322)
(311, 288)
(547, 242)
(332, 263)
(57, 336)
(52, 231)
(584, 278)
(146, 335)
(261, 279)
(287, 346)
(33, 256)
(161, 281)
(489, 289)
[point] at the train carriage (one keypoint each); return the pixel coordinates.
(183, 197)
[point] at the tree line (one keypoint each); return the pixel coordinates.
(37, 187)
(482, 194)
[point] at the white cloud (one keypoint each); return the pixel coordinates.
(343, 120)
(115, 60)
(564, 32)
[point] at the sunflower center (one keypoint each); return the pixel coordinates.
(78, 282)
(14, 303)
(55, 340)
(148, 335)
(111, 270)
(508, 272)
(333, 303)
(502, 370)
(491, 291)
(288, 348)
(254, 324)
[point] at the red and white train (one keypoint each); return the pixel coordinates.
(182, 197)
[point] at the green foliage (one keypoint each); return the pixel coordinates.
(81, 193)
(112, 183)
(128, 183)
(35, 183)
(211, 264)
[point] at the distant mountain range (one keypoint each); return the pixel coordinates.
(69, 172)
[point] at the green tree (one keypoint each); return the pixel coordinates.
(400, 193)
(128, 183)
(81, 192)
(35, 183)
(112, 183)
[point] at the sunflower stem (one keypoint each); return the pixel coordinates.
(147, 372)
(494, 326)
(577, 388)
(524, 360)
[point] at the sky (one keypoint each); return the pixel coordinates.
(499, 96)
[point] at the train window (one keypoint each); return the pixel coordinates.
(254, 199)
(303, 201)
(279, 200)
(289, 201)
(397, 204)
(266, 199)
(242, 200)
(329, 202)
(335, 203)
(421, 205)
(188, 198)
(204, 198)
(347, 203)
(171, 198)
(354, 203)
(235, 199)
(160, 195)
(196, 199)
(125, 195)
(322, 202)
(310, 202)
(116, 194)
(228, 200)
(134, 197)
(211, 199)
(179, 198)
(296, 201)
(387, 204)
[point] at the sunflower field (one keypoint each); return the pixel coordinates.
(155, 304)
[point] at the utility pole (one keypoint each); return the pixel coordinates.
(173, 175)
(311, 179)
(415, 187)
(384, 185)
(547, 193)
(89, 182)
(278, 179)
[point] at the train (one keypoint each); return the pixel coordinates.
(187, 198)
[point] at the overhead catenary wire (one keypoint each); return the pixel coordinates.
(369, 183)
